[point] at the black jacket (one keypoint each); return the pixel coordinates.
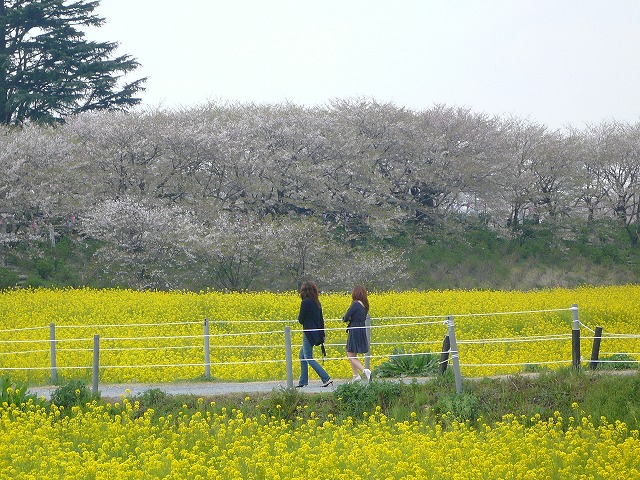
(310, 317)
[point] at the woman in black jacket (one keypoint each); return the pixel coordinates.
(312, 321)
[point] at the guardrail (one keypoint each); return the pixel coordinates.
(280, 350)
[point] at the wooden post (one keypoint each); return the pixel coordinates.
(96, 363)
(575, 338)
(207, 353)
(454, 354)
(595, 352)
(444, 355)
(288, 355)
(52, 347)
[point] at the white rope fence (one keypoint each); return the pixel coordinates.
(448, 353)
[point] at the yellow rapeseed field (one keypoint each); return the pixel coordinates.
(159, 336)
(105, 442)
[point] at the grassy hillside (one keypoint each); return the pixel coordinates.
(451, 256)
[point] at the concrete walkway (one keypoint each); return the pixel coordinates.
(193, 388)
(225, 388)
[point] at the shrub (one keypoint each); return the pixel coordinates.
(356, 398)
(8, 278)
(73, 394)
(44, 267)
(16, 393)
(462, 407)
(283, 404)
(408, 364)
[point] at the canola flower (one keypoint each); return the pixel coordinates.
(120, 441)
(159, 336)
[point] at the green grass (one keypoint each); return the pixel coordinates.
(606, 394)
(459, 254)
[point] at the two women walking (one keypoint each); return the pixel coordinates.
(312, 321)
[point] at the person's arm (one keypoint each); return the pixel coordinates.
(349, 314)
(303, 312)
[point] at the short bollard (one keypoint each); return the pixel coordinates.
(444, 355)
(595, 352)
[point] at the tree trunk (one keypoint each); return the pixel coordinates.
(4, 116)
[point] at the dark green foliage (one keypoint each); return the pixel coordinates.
(47, 266)
(283, 403)
(73, 394)
(44, 267)
(403, 363)
(48, 70)
(8, 278)
(16, 393)
(473, 256)
(162, 403)
(619, 361)
(153, 398)
(464, 406)
(358, 397)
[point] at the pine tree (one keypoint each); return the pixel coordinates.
(48, 70)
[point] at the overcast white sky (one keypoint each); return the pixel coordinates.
(558, 62)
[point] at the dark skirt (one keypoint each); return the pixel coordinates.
(357, 340)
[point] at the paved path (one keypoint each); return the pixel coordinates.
(193, 388)
(225, 388)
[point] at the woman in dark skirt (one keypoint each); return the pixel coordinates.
(357, 341)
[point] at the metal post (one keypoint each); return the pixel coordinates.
(444, 355)
(207, 353)
(595, 352)
(289, 360)
(367, 356)
(454, 354)
(575, 338)
(52, 344)
(96, 363)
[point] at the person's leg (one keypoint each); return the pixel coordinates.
(307, 349)
(304, 366)
(356, 366)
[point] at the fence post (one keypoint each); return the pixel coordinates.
(595, 352)
(289, 360)
(367, 356)
(444, 355)
(454, 354)
(96, 363)
(575, 338)
(207, 353)
(52, 343)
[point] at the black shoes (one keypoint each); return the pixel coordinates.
(325, 384)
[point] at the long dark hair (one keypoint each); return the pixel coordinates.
(309, 289)
(360, 294)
